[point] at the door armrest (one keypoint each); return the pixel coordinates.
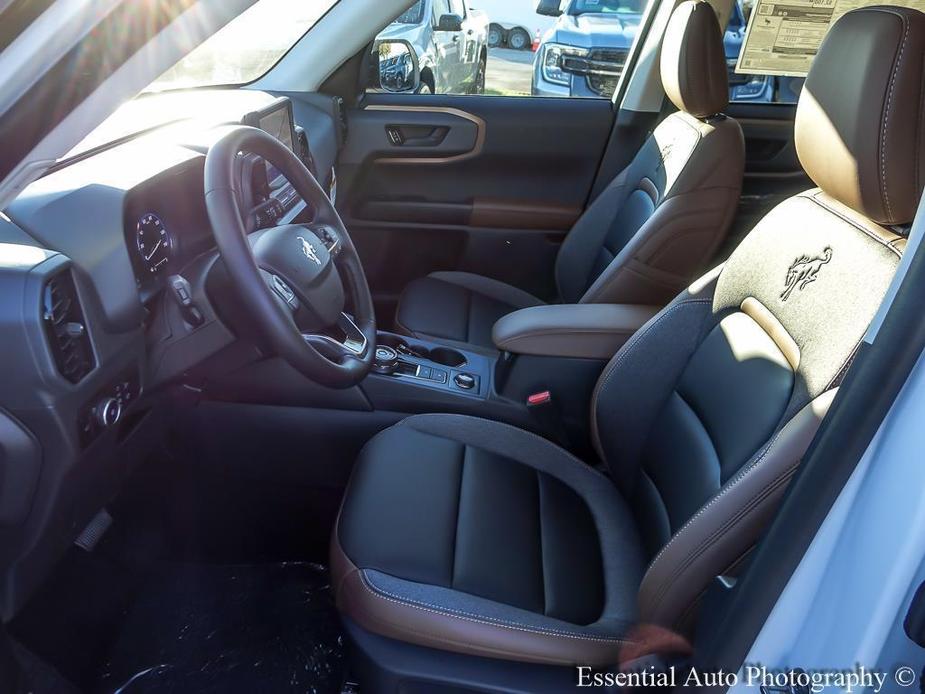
(583, 331)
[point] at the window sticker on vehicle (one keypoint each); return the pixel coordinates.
(783, 37)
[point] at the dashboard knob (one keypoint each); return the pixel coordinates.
(464, 381)
(386, 360)
(108, 412)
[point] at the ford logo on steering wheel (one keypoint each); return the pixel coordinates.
(309, 251)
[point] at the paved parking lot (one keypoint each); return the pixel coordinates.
(509, 72)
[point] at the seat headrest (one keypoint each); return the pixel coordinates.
(859, 123)
(693, 61)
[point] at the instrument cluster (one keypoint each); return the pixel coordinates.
(166, 225)
(154, 243)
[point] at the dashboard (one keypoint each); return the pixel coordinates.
(166, 221)
(108, 283)
(166, 225)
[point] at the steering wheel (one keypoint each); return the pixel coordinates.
(291, 278)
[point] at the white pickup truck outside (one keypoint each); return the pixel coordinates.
(513, 23)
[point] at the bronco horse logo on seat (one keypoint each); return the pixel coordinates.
(803, 271)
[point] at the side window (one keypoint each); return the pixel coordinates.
(540, 48)
(754, 89)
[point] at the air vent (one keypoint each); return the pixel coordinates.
(305, 152)
(66, 328)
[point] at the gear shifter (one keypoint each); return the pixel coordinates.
(386, 360)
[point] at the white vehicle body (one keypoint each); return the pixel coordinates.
(514, 15)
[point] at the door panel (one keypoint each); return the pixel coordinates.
(411, 135)
(481, 184)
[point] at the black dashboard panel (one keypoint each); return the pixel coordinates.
(175, 198)
(73, 253)
(79, 211)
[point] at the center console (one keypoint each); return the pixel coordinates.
(541, 377)
(441, 368)
(411, 375)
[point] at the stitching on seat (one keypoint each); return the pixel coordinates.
(574, 459)
(735, 480)
(726, 527)
(840, 374)
(918, 131)
(382, 594)
(638, 336)
(867, 232)
(541, 526)
(621, 356)
(459, 503)
(886, 115)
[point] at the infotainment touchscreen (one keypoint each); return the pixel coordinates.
(279, 125)
(276, 120)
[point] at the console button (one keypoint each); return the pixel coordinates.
(425, 372)
(385, 354)
(386, 360)
(464, 381)
(108, 412)
(439, 376)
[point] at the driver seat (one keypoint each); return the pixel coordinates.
(483, 547)
(651, 230)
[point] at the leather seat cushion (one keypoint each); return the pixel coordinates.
(458, 307)
(477, 537)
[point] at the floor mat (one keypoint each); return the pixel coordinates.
(201, 628)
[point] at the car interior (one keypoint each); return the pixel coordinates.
(350, 390)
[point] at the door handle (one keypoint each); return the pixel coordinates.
(416, 136)
(395, 135)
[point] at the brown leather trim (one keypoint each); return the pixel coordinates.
(861, 139)
(474, 152)
(729, 524)
(649, 188)
(429, 627)
(680, 236)
(515, 214)
(581, 331)
(692, 63)
(768, 322)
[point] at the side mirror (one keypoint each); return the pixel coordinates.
(395, 66)
(549, 8)
(450, 22)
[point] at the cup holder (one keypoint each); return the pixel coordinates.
(393, 341)
(439, 355)
(447, 357)
(400, 346)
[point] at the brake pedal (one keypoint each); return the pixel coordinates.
(93, 533)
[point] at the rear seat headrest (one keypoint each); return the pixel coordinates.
(693, 60)
(859, 123)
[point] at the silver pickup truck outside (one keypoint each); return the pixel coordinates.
(451, 43)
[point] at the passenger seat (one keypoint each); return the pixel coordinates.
(649, 232)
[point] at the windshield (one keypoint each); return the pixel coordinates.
(608, 6)
(412, 15)
(246, 47)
